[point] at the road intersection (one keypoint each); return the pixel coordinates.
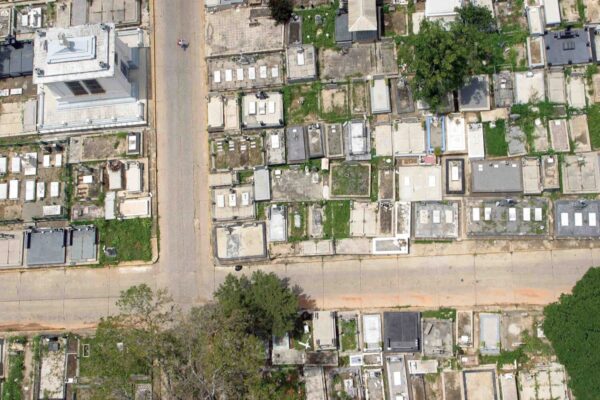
(455, 275)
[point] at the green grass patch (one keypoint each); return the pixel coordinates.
(320, 35)
(337, 220)
(299, 233)
(130, 237)
(581, 10)
(505, 357)
(301, 102)
(495, 140)
(348, 328)
(246, 176)
(593, 115)
(350, 179)
(13, 386)
(440, 313)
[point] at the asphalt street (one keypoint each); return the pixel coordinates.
(452, 276)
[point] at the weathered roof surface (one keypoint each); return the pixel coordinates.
(380, 97)
(77, 52)
(436, 8)
(46, 247)
(402, 331)
(83, 244)
(295, 142)
(475, 94)
(568, 47)
(551, 12)
(16, 61)
(262, 184)
(502, 176)
(362, 15)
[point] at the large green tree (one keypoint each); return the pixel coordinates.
(271, 303)
(128, 343)
(207, 355)
(573, 326)
(210, 352)
(445, 55)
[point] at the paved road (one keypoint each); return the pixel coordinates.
(70, 298)
(182, 152)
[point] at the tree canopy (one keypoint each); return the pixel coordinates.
(573, 326)
(266, 298)
(445, 56)
(281, 10)
(210, 352)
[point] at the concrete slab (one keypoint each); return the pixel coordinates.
(576, 91)
(581, 173)
(248, 30)
(579, 133)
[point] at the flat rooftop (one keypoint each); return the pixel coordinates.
(240, 242)
(84, 244)
(529, 86)
(295, 143)
(506, 217)
(235, 203)
(380, 96)
(324, 330)
(16, 60)
(504, 95)
(504, 176)
(301, 63)
(45, 247)
(408, 138)
(262, 111)
(489, 333)
(577, 218)
(571, 46)
(475, 94)
(11, 248)
(275, 145)
(436, 220)
(402, 331)
(375, 59)
(581, 173)
(532, 180)
(236, 31)
(74, 53)
(420, 183)
(245, 71)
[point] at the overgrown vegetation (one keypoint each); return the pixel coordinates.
(440, 313)
(442, 58)
(350, 180)
(495, 139)
(298, 233)
(528, 113)
(130, 237)
(320, 34)
(301, 102)
(209, 352)
(348, 333)
(281, 10)
(572, 326)
(593, 117)
(14, 380)
(337, 220)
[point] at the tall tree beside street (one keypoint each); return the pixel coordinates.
(281, 10)
(210, 352)
(127, 344)
(573, 326)
(271, 303)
